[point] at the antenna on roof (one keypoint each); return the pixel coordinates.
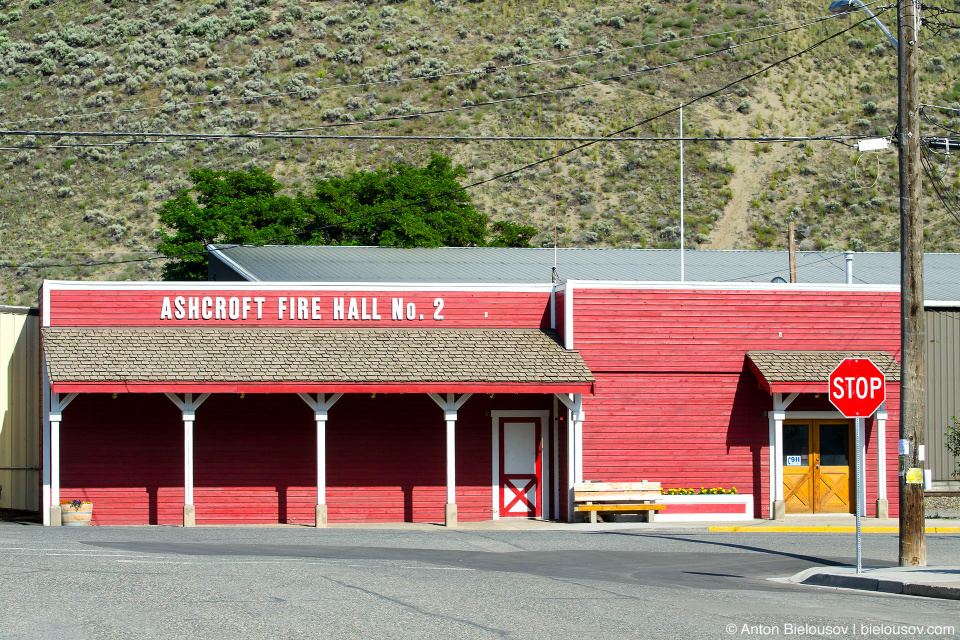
(556, 188)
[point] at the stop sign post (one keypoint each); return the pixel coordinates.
(857, 388)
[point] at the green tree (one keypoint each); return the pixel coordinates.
(953, 441)
(231, 207)
(510, 234)
(397, 207)
(424, 207)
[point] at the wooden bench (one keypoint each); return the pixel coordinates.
(617, 497)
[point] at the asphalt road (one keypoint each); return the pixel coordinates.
(168, 582)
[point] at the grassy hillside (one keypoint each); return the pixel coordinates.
(259, 65)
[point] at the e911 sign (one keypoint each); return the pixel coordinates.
(857, 387)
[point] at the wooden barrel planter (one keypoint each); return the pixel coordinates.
(75, 513)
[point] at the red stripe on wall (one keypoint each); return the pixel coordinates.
(703, 508)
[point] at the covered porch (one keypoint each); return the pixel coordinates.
(811, 444)
(187, 426)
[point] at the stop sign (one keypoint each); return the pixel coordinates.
(857, 387)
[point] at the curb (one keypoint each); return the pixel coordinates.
(881, 585)
(843, 529)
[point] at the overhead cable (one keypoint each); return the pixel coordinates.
(474, 184)
(260, 96)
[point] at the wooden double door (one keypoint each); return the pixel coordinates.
(818, 466)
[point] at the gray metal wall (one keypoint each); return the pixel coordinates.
(943, 387)
(19, 408)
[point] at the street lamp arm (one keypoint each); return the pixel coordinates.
(847, 6)
(893, 41)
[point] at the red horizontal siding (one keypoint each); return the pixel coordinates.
(142, 308)
(652, 427)
(703, 430)
(254, 458)
(705, 331)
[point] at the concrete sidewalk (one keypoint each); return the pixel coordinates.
(832, 523)
(930, 582)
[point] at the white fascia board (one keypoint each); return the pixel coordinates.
(733, 286)
(74, 285)
(16, 310)
(232, 263)
(45, 297)
(941, 303)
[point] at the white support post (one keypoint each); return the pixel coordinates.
(777, 416)
(321, 405)
(321, 470)
(188, 458)
(772, 435)
(571, 464)
(55, 512)
(188, 406)
(574, 405)
(451, 458)
(883, 508)
(45, 453)
(450, 405)
(58, 402)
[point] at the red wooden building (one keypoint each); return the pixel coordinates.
(252, 402)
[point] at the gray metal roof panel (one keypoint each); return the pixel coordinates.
(525, 266)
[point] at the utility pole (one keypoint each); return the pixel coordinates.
(913, 544)
(681, 194)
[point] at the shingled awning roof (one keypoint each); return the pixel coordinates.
(311, 360)
(807, 371)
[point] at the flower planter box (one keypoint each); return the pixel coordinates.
(75, 517)
(707, 507)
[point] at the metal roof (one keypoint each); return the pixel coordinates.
(527, 266)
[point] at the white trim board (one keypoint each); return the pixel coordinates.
(230, 262)
(731, 286)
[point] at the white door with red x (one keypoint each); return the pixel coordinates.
(520, 458)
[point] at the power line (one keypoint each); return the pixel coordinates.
(950, 201)
(410, 115)
(92, 144)
(260, 96)
(929, 120)
(549, 91)
(938, 106)
(777, 272)
(177, 137)
(470, 186)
